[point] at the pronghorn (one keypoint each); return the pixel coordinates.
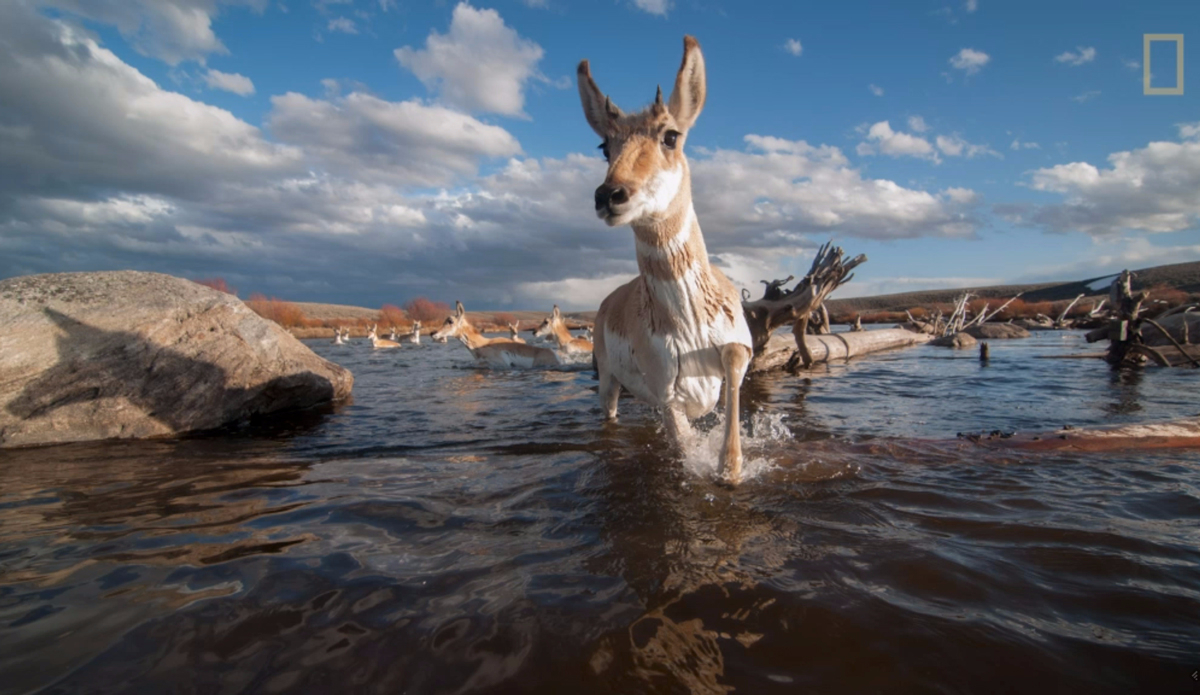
(495, 352)
(555, 327)
(673, 333)
(379, 343)
(337, 336)
(415, 336)
(514, 330)
(392, 337)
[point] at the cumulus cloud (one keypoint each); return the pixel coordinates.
(1152, 189)
(881, 139)
(480, 64)
(229, 82)
(875, 89)
(969, 60)
(917, 124)
(657, 7)
(343, 25)
(170, 30)
(60, 88)
(793, 46)
(401, 142)
(1079, 57)
(955, 146)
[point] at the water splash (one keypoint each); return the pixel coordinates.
(764, 437)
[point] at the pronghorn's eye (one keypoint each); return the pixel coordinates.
(669, 138)
(604, 148)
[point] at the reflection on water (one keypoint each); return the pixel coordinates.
(455, 530)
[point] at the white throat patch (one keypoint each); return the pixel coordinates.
(661, 191)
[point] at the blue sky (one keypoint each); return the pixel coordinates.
(371, 151)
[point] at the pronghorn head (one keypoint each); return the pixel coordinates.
(372, 333)
(453, 325)
(647, 171)
(416, 327)
(547, 327)
(514, 328)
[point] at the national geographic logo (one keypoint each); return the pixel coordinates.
(1147, 39)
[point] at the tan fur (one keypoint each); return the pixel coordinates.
(380, 343)
(674, 333)
(555, 326)
(513, 332)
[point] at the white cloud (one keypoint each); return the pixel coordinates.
(955, 146)
(170, 30)
(480, 64)
(793, 46)
(1086, 96)
(343, 25)
(881, 139)
(229, 82)
(876, 90)
(1018, 145)
(402, 142)
(1079, 57)
(972, 5)
(658, 7)
(917, 124)
(572, 294)
(1152, 189)
(1132, 64)
(1189, 131)
(969, 60)
(893, 285)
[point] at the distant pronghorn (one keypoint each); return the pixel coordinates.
(413, 337)
(392, 337)
(494, 352)
(674, 333)
(513, 331)
(379, 343)
(338, 338)
(555, 327)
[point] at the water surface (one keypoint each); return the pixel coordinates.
(459, 530)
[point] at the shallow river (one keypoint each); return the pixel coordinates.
(459, 530)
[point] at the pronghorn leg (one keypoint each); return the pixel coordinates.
(735, 359)
(677, 423)
(610, 391)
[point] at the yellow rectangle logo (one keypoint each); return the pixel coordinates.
(1147, 39)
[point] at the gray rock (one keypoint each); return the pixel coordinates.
(997, 331)
(958, 340)
(87, 356)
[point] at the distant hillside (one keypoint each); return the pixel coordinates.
(1181, 276)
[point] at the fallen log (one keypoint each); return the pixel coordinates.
(781, 350)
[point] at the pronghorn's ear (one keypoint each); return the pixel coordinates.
(687, 99)
(556, 313)
(458, 308)
(599, 110)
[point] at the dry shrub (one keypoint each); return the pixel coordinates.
(919, 312)
(392, 315)
(1172, 296)
(884, 317)
(217, 284)
(285, 314)
(503, 319)
(426, 310)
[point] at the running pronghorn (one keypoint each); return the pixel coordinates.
(556, 327)
(413, 337)
(494, 352)
(673, 333)
(513, 332)
(380, 343)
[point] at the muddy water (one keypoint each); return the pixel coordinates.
(456, 530)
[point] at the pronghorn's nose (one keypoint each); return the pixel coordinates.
(608, 195)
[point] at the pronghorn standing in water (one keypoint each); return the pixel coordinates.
(514, 330)
(555, 326)
(494, 352)
(413, 337)
(338, 338)
(671, 335)
(380, 343)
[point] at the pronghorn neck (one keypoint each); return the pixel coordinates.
(671, 253)
(471, 337)
(561, 335)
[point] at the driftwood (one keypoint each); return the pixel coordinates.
(1061, 321)
(781, 350)
(779, 307)
(1127, 344)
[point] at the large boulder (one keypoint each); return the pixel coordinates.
(997, 331)
(958, 340)
(88, 356)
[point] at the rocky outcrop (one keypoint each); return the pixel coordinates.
(997, 331)
(88, 356)
(958, 340)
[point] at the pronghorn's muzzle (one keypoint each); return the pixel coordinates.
(609, 198)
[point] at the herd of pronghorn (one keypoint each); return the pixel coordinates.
(676, 333)
(502, 353)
